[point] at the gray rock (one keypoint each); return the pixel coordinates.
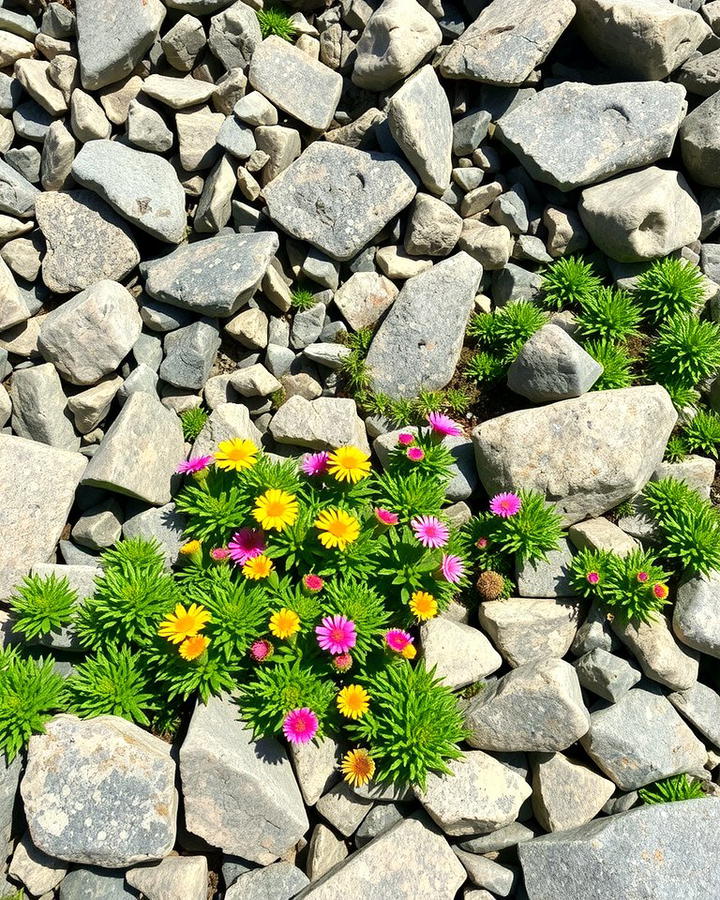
(178, 93)
(511, 209)
(40, 408)
(142, 187)
(26, 160)
(601, 534)
(183, 42)
(17, 195)
(379, 819)
(640, 739)
(487, 874)
(142, 379)
(324, 851)
(548, 577)
(660, 656)
(240, 795)
(309, 199)
(198, 130)
(234, 35)
(87, 119)
(513, 282)
(164, 524)
(606, 675)
(433, 229)
(214, 206)
(227, 420)
(470, 131)
(364, 298)
(146, 128)
(343, 808)
(418, 344)
(254, 381)
(316, 767)
(175, 876)
(9, 781)
(307, 326)
(700, 705)
(33, 75)
(552, 366)
(100, 792)
(190, 353)
(30, 121)
(280, 881)
(623, 126)
(37, 871)
(95, 884)
(696, 621)
(58, 153)
(331, 356)
(526, 630)
(236, 138)
(322, 424)
(669, 842)
(507, 836)
(566, 793)
(700, 142)
(460, 654)
(249, 328)
(100, 526)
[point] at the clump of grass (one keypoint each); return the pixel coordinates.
(569, 282)
(670, 286)
(609, 314)
(672, 790)
(193, 421)
(275, 21)
(616, 363)
(302, 297)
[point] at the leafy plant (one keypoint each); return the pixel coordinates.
(30, 692)
(114, 682)
(215, 506)
(608, 314)
(42, 605)
(703, 433)
(193, 421)
(588, 572)
(364, 606)
(504, 331)
(528, 534)
(354, 368)
(617, 366)
(457, 400)
(677, 449)
(485, 367)
(685, 351)
(274, 21)
(302, 297)
(569, 282)
(672, 790)
(692, 537)
(670, 286)
(239, 613)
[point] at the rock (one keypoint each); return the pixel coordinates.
(640, 739)
(34, 508)
(537, 707)
(249, 328)
(316, 767)
(34, 77)
(100, 526)
(418, 344)
(646, 38)
(58, 153)
(507, 836)
(190, 353)
(309, 199)
(322, 424)
(660, 656)
(86, 241)
(40, 408)
(433, 229)
(700, 142)
(255, 109)
(178, 93)
(552, 366)
(618, 438)
(696, 471)
(183, 42)
(407, 860)
(307, 326)
(95, 884)
(606, 675)
(324, 851)
(234, 35)
(667, 841)
(88, 121)
(379, 819)
(213, 277)
(527, 630)
(332, 356)
(240, 795)
(140, 452)
(14, 47)
(17, 195)
(198, 130)
(481, 795)
(343, 808)
(142, 187)
(236, 138)
(486, 873)
(226, 421)
(398, 36)
(548, 577)
(9, 780)
(601, 534)
(364, 298)
(281, 881)
(700, 705)
(695, 618)
(462, 655)
(420, 121)
(37, 871)
(566, 793)
(175, 876)
(566, 234)
(164, 524)
(113, 36)
(214, 206)
(100, 791)
(255, 381)
(146, 128)
(507, 41)
(623, 126)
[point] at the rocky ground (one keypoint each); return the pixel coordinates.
(194, 216)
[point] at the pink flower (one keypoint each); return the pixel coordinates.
(405, 438)
(261, 650)
(385, 517)
(593, 577)
(642, 577)
(336, 634)
(315, 463)
(246, 544)
(505, 505)
(220, 554)
(191, 466)
(481, 543)
(452, 568)
(397, 639)
(313, 583)
(300, 725)
(343, 662)
(442, 424)
(415, 454)
(430, 531)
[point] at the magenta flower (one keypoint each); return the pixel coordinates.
(336, 634)
(443, 425)
(505, 505)
(593, 577)
(313, 583)
(315, 463)
(343, 662)
(405, 438)
(482, 543)
(397, 639)
(191, 466)
(415, 454)
(385, 517)
(642, 577)
(452, 568)
(261, 650)
(300, 725)
(220, 554)
(430, 531)
(246, 544)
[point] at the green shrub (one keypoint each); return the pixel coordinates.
(670, 286)
(30, 693)
(685, 352)
(193, 421)
(302, 298)
(616, 363)
(568, 283)
(273, 21)
(702, 433)
(608, 314)
(42, 605)
(672, 790)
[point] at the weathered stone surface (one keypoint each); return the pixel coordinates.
(666, 850)
(175, 876)
(234, 35)
(39, 408)
(696, 617)
(95, 884)
(462, 654)
(343, 808)
(9, 781)
(17, 195)
(601, 534)
(100, 791)
(618, 438)
(507, 41)
(177, 93)
(552, 366)
(418, 344)
(324, 851)
(508, 836)
(640, 739)
(213, 277)
(548, 577)
(566, 793)
(525, 630)
(281, 881)
(660, 656)
(364, 298)
(240, 795)
(316, 767)
(606, 675)
(433, 228)
(573, 134)
(700, 142)
(163, 524)
(310, 198)
(37, 871)
(322, 424)
(142, 187)
(190, 353)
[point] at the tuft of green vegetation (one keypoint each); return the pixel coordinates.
(685, 352)
(30, 692)
(608, 314)
(302, 297)
(485, 367)
(672, 790)
(568, 283)
(617, 365)
(676, 450)
(42, 605)
(193, 421)
(669, 287)
(354, 367)
(274, 20)
(702, 433)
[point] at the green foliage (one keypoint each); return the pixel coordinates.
(661, 498)
(114, 682)
(608, 314)
(529, 535)
(504, 331)
(354, 367)
(617, 365)
(676, 450)
(702, 433)
(274, 21)
(364, 606)
(208, 676)
(215, 506)
(685, 351)
(568, 283)
(485, 367)
(413, 725)
(302, 298)
(588, 571)
(193, 421)
(416, 494)
(239, 613)
(670, 286)
(42, 605)
(135, 555)
(671, 790)
(30, 692)
(457, 400)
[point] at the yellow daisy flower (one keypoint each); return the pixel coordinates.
(182, 623)
(284, 623)
(423, 605)
(190, 548)
(276, 509)
(358, 767)
(338, 528)
(410, 651)
(349, 464)
(258, 567)
(236, 454)
(353, 701)
(193, 647)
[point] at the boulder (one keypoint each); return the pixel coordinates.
(174, 876)
(700, 142)
(322, 424)
(525, 630)
(552, 366)
(660, 656)
(696, 616)
(566, 793)
(461, 654)
(234, 35)
(190, 354)
(606, 675)
(39, 408)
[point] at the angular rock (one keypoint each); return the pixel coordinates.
(190, 353)
(316, 767)
(236, 138)
(17, 195)
(379, 819)
(433, 229)
(660, 656)
(486, 873)
(100, 526)
(567, 793)
(178, 93)
(601, 534)
(164, 524)
(548, 577)
(700, 705)
(255, 381)
(58, 153)
(33, 74)
(462, 655)
(324, 851)
(322, 424)
(696, 618)
(700, 142)
(606, 675)
(183, 42)
(226, 421)
(364, 298)
(198, 130)
(146, 128)
(234, 35)
(343, 808)
(281, 881)
(525, 630)
(552, 366)
(175, 876)
(37, 871)
(95, 884)
(40, 408)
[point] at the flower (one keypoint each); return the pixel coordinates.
(336, 634)
(258, 567)
(338, 528)
(349, 464)
(284, 623)
(397, 639)
(219, 554)
(505, 505)
(190, 548)
(343, 662)
(191, 466)
(405, 438)
(313, 583)
(423, 605)
(482, 543)
(358, 767)
(415, 454)
(184, 623)
(385, 517)
(642, 577)
(193, 647)
(236, 454)
(442, 424)
(353, 701)
(300, 725)
(276, 509)
(592, 577)
(452, 568)
(409, 652)
(660, 591)
(246, 544)
(261, 651)
(315, 463)
(430, 531)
